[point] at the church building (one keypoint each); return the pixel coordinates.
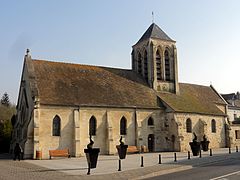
(61, 104)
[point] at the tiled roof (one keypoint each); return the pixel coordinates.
(194, 99)
(74, 84)
(77, 85)
(232, 99)
(154, 31)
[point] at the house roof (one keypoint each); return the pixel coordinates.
(232, 99)
(193, 99)
(154, 31)
(74, 84)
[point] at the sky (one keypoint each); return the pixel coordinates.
(207, 35)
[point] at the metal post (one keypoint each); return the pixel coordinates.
(88, 173)
(142, 161)
(175, 157)
(200, 153)
(119, 165)
(210, 152)
(229, 150)
(236, 148)
(159, 159)
(188, 154)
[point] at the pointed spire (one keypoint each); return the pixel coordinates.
(154, 31)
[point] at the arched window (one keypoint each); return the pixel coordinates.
(139, 63)
(56, 127)
(189, 125)
(145, 65)
(123, 126)
(92, 126)
(167, 66)
(150, 121)
(158, 65)
(213, 125)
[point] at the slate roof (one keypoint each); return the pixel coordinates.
(77, 85)
(232, 99)
(74, 84)
(194, 99)
(154, 31)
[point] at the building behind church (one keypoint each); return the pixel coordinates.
(61, 104)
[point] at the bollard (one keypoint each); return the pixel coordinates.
(188, 154)
(175, 157)
(159, 159)
(210, 152)
(200, 153)
(236, 148)
(88, 173)
(119, 165)
(142, 161)
(229, 150)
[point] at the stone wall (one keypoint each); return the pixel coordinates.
(201, 124)
(75, 129)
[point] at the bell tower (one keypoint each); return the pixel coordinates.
(154, 57)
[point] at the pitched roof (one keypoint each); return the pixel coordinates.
(232, 99)
(154, 31)
(74, 84)
(193, 99)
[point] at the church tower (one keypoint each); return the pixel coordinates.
(154, 57)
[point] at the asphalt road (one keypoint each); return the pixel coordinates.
(223, 170)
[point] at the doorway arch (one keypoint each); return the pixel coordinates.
(151, 142)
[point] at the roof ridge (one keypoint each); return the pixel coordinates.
(86, 65)
(194, 84)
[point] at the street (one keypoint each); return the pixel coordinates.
(228, 169)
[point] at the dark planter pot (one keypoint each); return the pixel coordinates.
(195, 147)
(92, 156)
(205, 145)
(122, 151)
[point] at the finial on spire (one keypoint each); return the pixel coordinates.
(152, 17)
(27, 52)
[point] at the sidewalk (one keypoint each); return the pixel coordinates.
(107, 166)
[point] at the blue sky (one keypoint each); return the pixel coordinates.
(102, 33)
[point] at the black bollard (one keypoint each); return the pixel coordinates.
(175, 157)
(119, 165)
(236, 148)
(188, 154)
(229, 150)
(200, 153)
(159, 159)
(142, 161)
(88, 173)
(210, 152)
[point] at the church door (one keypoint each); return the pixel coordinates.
(151, 142)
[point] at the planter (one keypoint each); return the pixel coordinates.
(122, 151)
(38, 155)
(205, 145)
(195, 147)
(92, 156)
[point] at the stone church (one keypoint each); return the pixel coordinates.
(61, 104)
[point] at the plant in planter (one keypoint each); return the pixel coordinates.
(205, 143)
(122, 149)
(92, 155)
(195, 146)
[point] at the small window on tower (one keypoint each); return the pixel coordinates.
(167, 66)
(158, 65)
